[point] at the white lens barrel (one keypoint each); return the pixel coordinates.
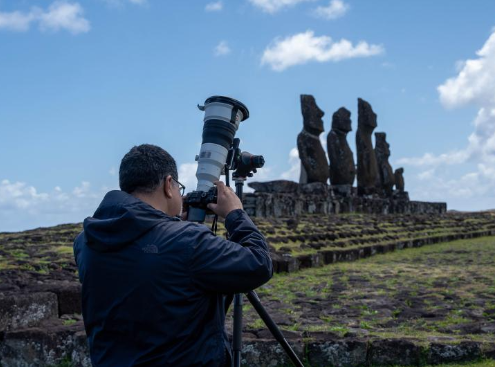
(212, 158)
(222, 111)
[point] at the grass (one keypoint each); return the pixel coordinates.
(452, 281)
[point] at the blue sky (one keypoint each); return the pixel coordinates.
(81, 82)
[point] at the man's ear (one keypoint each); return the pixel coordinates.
(167, 187)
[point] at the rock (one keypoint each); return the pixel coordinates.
(25, 310)
(448, 353)
(395, 352)
(385, 172)
(311, 153)
(367, 168)
(68, 295)
(277, 186)
(268, 353)
(47, 346)
(337, 353)
(342, 167)
(316, 188)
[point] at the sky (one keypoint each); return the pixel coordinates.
(81, 82)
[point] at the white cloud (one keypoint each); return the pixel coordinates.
(273, 6)
(64, 15)
(187, 175)
(304, 47)
(294, 171)
(428, 159)
(474, 84)
(222, 49)
(112, 171)
(22, 206)
(16, 21)
(120, 3)
(214, 6)
(60, 15)
(334, 10)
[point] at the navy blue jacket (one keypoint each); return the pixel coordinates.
(152, 284)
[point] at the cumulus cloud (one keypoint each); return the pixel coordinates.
(22, 206)
(474, 84)
(214, 6)
(273, 6)
(60, 15)
(222, 49)
(335, 9)
(305, 47)
(187, 175)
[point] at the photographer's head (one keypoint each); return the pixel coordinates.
(149, 173)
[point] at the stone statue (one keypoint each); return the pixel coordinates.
(399, 179)
(314, 164)
(385, 172)
(367, 169)
(342, 168)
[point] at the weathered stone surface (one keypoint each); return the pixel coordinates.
(337, 353)
(385, 172)
(268, 353)
(280, 205)
(68, 295)
(24, 310)
(314, 162)
(447, 353)
(399, 179)
(277, 186)
(395, 352)
(367, 168)
(342, 166)
(41, 347)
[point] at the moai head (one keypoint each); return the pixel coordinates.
(341, 120)
(381, 144)
(400, 171)
(312, 115)
(366, 116)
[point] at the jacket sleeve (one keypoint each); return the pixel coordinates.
(237, 265)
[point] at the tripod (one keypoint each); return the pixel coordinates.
(255, 301)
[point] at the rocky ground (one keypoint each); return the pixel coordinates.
(430, 304)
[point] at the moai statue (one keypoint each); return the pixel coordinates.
(314, 164)
(385, 172)
(342, 167)
(399, 179)
(367, 169)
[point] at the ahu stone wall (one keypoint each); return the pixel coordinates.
(287, 199)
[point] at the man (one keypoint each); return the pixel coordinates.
(152, 284)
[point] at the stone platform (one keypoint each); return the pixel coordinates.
(282, 199)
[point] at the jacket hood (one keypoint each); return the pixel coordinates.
(119, 220)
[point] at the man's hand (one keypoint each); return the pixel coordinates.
(227, 200)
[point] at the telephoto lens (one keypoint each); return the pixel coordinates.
(223, 116)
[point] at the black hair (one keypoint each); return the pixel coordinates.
(144, 168)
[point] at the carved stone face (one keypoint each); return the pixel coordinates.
(341, 120)
(312, 114)
(366, 116)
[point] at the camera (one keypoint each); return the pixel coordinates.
(219, 153)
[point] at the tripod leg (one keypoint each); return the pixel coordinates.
(255, 301)
(237, 332)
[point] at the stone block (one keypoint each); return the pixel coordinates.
(26, 310)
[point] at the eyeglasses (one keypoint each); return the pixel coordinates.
(182, 188)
